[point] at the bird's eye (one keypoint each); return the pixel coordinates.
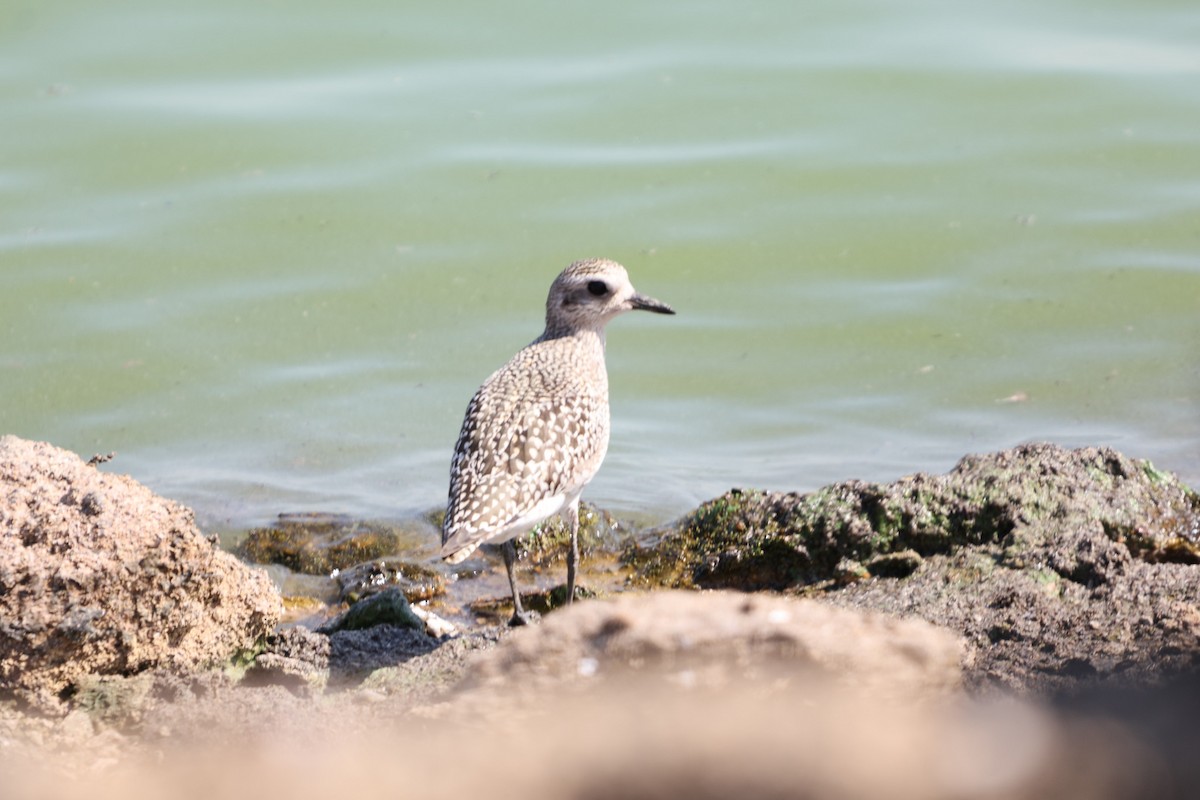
(598, 288)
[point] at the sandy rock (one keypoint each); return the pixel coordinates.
(631, 741)
(100, 575)
(355, 654)
(295, 658)
(714, 639)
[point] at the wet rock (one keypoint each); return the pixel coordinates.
(718, 639)
(897, 564)
(1059, 566)
(1024, 501)
(417, 581)
(498, 610)
(849, 571)
(380, 630)
(385, 608)
(1033, 630)
(100, 576)
(600, 534)
(318, 544)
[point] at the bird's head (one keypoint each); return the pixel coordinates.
(587, 294)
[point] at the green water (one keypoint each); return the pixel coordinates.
(266, 252)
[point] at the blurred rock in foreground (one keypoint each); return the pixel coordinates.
(715, 640)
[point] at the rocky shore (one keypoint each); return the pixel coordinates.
(1026, 625)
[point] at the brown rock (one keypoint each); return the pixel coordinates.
(100, 575)
(717, 639)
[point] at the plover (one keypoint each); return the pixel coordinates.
(536, 431)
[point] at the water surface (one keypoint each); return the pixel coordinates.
(267, 252)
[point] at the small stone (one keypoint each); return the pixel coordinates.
(850, 571)
(899, 564)
(388, 607)
(434, 625)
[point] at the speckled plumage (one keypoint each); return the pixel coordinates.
(536, 431)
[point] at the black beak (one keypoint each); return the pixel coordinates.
(641, 302)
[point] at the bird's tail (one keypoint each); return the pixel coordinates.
(452, 553)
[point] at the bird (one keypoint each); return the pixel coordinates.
(536, 431)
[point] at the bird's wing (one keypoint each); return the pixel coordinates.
(511, 456)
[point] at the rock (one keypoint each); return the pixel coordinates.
(1059, 567)
(431, 674)
(626, 740)
(388, 607)
(435, 626)
(717, 639)
(99, 575)
(600, 535)
(1030, 501)
(535, 601)
(355, 654)
(294, 658)
(418, 581)
(114, 699)
(319, 544)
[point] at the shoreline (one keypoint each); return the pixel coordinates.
(1047, 573)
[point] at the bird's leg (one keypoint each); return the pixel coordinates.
(572, 514)
(519, 616)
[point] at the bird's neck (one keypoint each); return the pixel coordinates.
(586, 337)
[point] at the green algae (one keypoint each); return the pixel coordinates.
(599, 532)
(1023, 502)
(318, 544)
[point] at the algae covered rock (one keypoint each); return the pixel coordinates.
(383, 608)
(1025, 501)
(100, 575)
(600, 534)
(1058, 567)
(319, 544)
(418, 582)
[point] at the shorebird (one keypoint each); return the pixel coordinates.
(536, 430)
